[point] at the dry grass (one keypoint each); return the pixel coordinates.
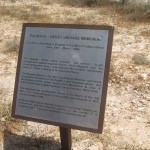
(106, 139)
(34, 8)
(145, 33)
(15, 12)
(33, 13)
(134, 11)
(137, 11)
(47, 2)
(6, 121)
(12, 1)
(36, 14)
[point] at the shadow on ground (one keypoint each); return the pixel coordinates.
(18, 142)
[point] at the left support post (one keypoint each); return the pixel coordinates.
(65, 136)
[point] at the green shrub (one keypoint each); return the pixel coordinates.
(12, 45)
(87, 2)
(141, 59)
(137, 11)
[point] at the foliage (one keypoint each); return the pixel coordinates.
(140, 59)
(136, 11)
(87, 2)
(12, 45)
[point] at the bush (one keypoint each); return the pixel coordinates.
(12, 45)
(87, 2)
(137, 11)
(141, 59)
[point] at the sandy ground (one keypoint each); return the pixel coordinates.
(127, 119)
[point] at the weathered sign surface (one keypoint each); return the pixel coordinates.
(62, 75)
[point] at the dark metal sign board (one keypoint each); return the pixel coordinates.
(62, 75)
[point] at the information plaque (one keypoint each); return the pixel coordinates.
(62, 75)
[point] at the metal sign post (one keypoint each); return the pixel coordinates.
(65, 136)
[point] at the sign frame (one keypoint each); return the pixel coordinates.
(105, 79)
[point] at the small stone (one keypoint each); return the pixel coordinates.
(74, 148)
(93, 147)
(144, 76)
(8, 62)
(127, 88)
(3, 119)
(140, 109)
